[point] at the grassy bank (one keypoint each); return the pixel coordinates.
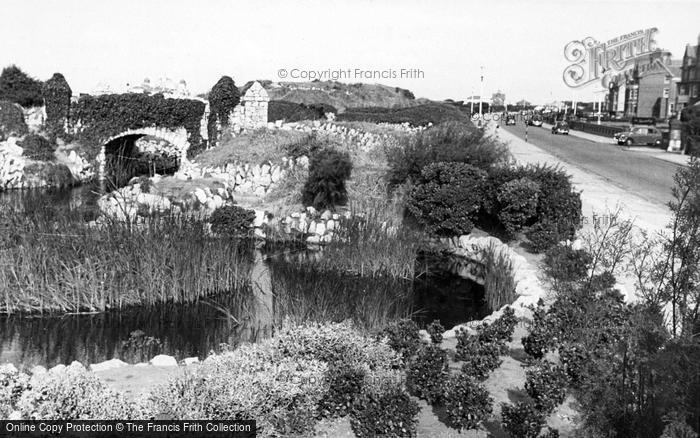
(54, 261)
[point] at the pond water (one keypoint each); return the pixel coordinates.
(279, 288)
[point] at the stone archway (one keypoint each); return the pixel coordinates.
(118, 153)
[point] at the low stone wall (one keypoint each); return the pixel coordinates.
(472, 249)
(20, 172)
(132, 201)
(246, 178)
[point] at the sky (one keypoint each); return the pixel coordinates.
(443, 43)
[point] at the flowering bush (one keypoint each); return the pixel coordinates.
(354, 361)
(427, 373)
(252, 382)
(73, 393)
(12, 385)
(467, 402)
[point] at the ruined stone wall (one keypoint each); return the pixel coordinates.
(251, 113)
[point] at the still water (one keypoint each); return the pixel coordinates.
(279, 288)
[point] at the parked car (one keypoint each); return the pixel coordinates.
(510, 120)
(646, 135)
(560, 128)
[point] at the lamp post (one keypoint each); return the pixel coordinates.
(471, 103)
(481, 92)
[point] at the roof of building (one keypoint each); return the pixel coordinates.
(691, 51)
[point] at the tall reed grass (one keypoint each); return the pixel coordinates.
(499, 278)
(304, 292)
(55, 262)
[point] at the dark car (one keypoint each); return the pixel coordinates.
(510, 120)
(560, 128)
(646, 135)
(535, 120)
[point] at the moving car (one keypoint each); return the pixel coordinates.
(535, 120)
(646, 135)
(560, 128)
(510, 120)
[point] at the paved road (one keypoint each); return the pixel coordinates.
(644, 175)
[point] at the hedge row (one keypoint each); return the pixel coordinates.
(419, 115)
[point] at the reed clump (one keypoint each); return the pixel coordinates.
(58, 263)
(499, 278)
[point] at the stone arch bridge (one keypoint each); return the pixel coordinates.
(177, 138)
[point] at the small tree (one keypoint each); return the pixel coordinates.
(17, 86)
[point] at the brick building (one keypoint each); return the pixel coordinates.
(688, 91)
(647, 89)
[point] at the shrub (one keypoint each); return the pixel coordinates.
(600, 282)
(252, 382)
(435, 330)
(325, 187)
(352, 360)
(558, 202)
(72, 394)
(451, 142)
(37, 147)
(480, 360)
(518, 200)
(427, 374)
(543, 235)
(403, 337)
(447, 198)
(574, 358)
(305, 147)
(11, 120)
(522, 420)
(417, 115)
(12, 385)
(564, 263)
(558, 212)
(500, 330)
(232, 221)
(385, 414)
(296, 112)
(538, 339)
(346, 382)
(546, 384)
(18, 87)
(467, 402)
(480, 356)
(57, 95)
